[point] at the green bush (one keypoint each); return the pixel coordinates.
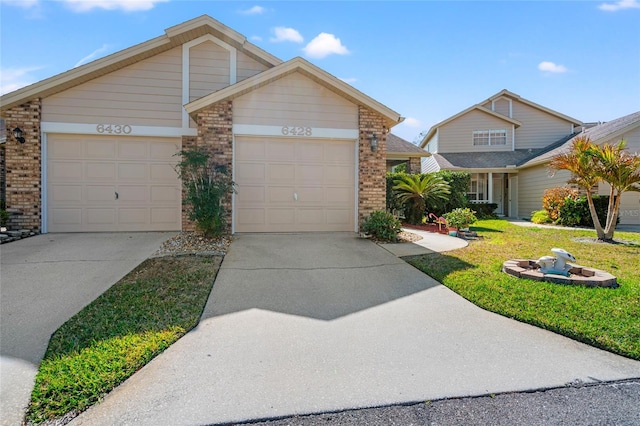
(382, 225)
(460, 218)
(540, 216)
(207, 185)
(575, 211)
(485, 210)
(4, 217)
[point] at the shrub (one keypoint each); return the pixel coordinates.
(554, 198)
(460, 218)
(540, 216)
(416, 191)
(382, 225)
(575, 211)
(206, 185)
(4, 218)
(485, 210)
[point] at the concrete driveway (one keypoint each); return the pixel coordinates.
(310, 323)
(44, 281)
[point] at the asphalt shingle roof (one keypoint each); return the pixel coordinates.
(397, 145)
(483, 160)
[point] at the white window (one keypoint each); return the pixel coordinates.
(489, 137)
(478, 187)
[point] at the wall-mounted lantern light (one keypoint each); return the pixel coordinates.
(18, 134)
(374, 143)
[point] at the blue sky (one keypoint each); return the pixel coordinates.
(427, 60)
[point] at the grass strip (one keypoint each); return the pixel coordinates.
(120, 332)
(606, 318)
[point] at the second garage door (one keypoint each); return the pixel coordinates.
(292, 185)
(109, 183)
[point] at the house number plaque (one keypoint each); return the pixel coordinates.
(114, 129)
(296, 131)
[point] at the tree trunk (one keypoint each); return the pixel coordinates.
(594, 217)
(611, 221)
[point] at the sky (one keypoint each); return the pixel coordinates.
(427, 60)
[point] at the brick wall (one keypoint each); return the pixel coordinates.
(23, 167)
(372, 165)
(215, 132)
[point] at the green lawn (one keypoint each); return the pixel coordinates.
(602, 317)
(120, 332)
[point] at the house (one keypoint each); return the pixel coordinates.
(506, 143)
(306, 150)
(534, 176)
(400, 151)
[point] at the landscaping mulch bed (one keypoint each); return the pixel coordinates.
(194, 243)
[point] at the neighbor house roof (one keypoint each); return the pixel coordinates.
(482, 160)
(597, 134)
(476, 107)
(398, 147)
(306, 68)
(173, 37)
(502, 93)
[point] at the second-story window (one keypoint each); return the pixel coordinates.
(489, 137)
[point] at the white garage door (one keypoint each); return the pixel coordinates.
(104, 183)
(630, 208)
(289, 185)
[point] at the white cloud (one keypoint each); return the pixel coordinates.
(255, 10)
(324, 45)
(551, 67)
(91, 56)
(412, 122)
(349, 80)
(286, 34)
(124, 5)
(14, 78)
(620, 5)
(25, 4)
(256, 38)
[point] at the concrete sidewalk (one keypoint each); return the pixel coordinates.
(305, 323)
(45, 280)
(431, 242)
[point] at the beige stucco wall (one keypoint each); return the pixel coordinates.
(295, 100)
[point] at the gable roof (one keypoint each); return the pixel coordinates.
(173, 37)
(306, 68)
(476, 107)
(597, 134)
(502, 93)
(398, 147)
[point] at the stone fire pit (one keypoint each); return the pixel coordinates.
(578, 275)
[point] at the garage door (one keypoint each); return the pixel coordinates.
(289, 185)
(103, 183)
(630, 208)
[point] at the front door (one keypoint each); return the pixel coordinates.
(498, 194)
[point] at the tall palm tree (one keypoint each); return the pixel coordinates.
(579, 161)
(621, 170)
(418, 191)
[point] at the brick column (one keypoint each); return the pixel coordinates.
(414, 165)
(215, 133)
(372, 165)
(23, 167)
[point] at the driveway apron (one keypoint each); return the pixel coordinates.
(44, 281)
(310, 323)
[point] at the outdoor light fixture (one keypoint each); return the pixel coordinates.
(17, 133)
(374, 143)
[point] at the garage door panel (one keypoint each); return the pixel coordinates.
(132, 171)
(630, 208)
(100, 171)
(132, 150)
(65, 170)
(100, 149)
(148, 191)
(100, 193)
(250, 172)
(323, 178)
(66, 193)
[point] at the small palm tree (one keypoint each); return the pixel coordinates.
(621, 170)
(579, 161)
(417, 191)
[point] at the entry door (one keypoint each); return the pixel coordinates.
(498, 194)
(513, 196)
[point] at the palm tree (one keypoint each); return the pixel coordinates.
(621, 170)
(579, 161)
(417, 191)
